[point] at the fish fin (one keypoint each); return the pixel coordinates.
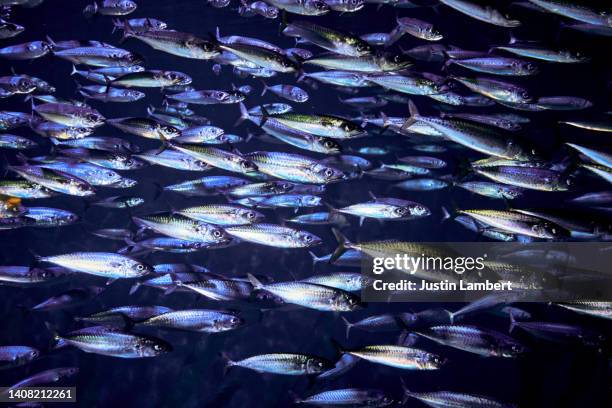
(348, 324)
(407, 392)
(337, 346)
(244, 115)
(372, 196)
(90, 10)
(343, 245)
(228, 362)
(264, 115)
(128, 31)
(74, 70)
(413, 115)
(265, 88)
(53, 44)
(255, 282)
(135, 287)
(513, 323)
(315, 258)
(445, 215)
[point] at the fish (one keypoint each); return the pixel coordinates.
(15, 356)
(336, 41)
(70, 115)
(283, 364)
(215, 288)
(149, 79)
(480, 138)
(110, 8)
(47, 217)
(406, 358)
(282, 201)
(387, 209)
(184, 228)
(223, 215)
(26, 275)
(209, 97)
(289, 92)
(105, 264)
(206, 186)
(542, 53)
(274, 235)
(49, 376)
(10, 30)
(26, 51)
(140, 24)
(320, 218)
(371, 63)
(376, 323)
(533, 178)
(176, 43)
(422, 184)
(174, 160)
(197, 320)
(218, 158)
(69, 298)
(295, 168)
(109, 144)
(112, 342)
(145, 127)
(109, 94)
(348, 397)
(302, 7)
(575, 11)
(590, 308)
(119, 202)
(480, 12)
(418, 28)
(310, 295)
(8, 141)
(347, 281)
(492, 190)
(597, 156)
(109, 160)
(518, 223)
(559, 332)
(99, 56)
(54, 180)
(497, 66)
(450, 398)
(484, 342)
(123, 314)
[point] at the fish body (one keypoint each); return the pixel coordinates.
(111, 342)
(284, 364)
(274, 235)
(406, 358)
(184, 228)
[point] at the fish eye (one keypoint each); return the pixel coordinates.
(329, 172)
(217, 234)
(140, 267)
(308, 238)
(129, 162)
(250, 214)
(157, 347)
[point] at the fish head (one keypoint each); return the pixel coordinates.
(126, 6)
(328, 146)
(549, 230)
(330, 174)
(511, 350)
(307, 239)
(140, 268)
(149, 347)
(228, 322)
(432, 362)
(393, 62)
(25, 85)
(298, 94)
(134, 201)
(168, 132)
(245, 166)
(344, 301)
(124, 182)
(316, 6)
(202, 48)
(250, 216)
(176, 78)
(317, 365)
(233, 97)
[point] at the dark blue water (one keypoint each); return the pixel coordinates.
(192, 375)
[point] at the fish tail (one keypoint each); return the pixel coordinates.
(228, 363)
(414, 112)
(315, 258)
(53, 44)
(348, 324)
(407, 392)
(135, 287)
(90, 10)
(513, 322)
(343, 245)
(255, 282)
(244, 114)
(265, 88)
(74, 70)
(445, 215)
(128, 31)
(116, 25)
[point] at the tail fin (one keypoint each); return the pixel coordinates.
(445, 215)
(90, 10)
(315, 259)
(348, 325)
(255, 282)
(513, 323)
(414, 113)
(74, 70)
(407, 392)
(229, 363)
(135, 287)
(128, 31)
(265, 88)
(343, 245)
(244, 114)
